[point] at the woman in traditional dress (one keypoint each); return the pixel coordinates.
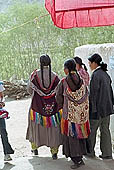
(82, 70)
(44, 116)
(72, 96)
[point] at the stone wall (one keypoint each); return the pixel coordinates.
(106, 51)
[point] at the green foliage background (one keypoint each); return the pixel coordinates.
(21, 48)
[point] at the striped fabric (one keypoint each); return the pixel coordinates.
(53, 120)
(80, 131)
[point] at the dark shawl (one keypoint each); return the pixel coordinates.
(45, 104)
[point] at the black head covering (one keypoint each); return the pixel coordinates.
(45, 61)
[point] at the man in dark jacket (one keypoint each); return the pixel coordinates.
(101, 106)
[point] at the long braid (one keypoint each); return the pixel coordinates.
(79, 79)
(45, 61)
(70, 74)
(42, 76)
(84, 66)
(49, 74)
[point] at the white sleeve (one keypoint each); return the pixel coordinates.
(1, 88)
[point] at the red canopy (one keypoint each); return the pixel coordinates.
(81, 13)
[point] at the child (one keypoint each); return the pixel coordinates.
(4, 136)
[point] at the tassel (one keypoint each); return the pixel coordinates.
(31, 115)
(49, 121)
(66, 127)
(60, 111)
(73, 129)
(85, 127)
(55, 118)
(69, 129)
(52, 120)
(83, 130)
(36, 116)
(79, 132)
(88, 127)
(59, 118)
(41, 120)
(62, 126)
(45, 121)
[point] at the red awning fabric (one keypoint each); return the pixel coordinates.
(81, 13)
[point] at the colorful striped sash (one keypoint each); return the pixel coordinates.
(80, 131)
(51, 121)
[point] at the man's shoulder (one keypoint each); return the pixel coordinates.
(100, 74)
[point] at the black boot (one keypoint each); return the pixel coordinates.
(80, 163)
(35, 151)
(54, 156)
(77, 162)
(74, 160)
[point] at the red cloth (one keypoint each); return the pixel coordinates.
(81, 13)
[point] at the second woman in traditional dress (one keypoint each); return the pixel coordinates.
(44, 116)
(72, 96)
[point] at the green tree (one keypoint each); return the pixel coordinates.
(21, 48)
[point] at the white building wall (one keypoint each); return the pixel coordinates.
(106, 51)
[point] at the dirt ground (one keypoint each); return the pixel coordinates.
(24, 160)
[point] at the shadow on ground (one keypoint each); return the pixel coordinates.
(42, 163)
(46, 163)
